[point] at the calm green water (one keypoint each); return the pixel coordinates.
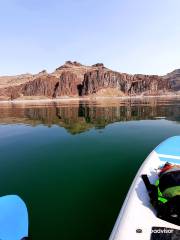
(73, 163)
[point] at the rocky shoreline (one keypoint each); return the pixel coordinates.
(86, 99)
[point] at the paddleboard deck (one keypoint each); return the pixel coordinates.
(137, 219)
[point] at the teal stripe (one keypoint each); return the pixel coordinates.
(170, 160)
(170, 147)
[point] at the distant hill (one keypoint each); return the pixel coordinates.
(76, 80)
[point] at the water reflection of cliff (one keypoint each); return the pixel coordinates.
(82, 116)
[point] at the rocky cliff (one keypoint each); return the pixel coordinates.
(174, 79)
(74, 79)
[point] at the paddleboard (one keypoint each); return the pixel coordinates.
(137, 219)
(13, 218)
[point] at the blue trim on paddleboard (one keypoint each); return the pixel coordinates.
(13, 218)
(171, 146)
(170, 160)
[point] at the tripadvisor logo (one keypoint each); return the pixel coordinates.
(162, 230)
(157, 230)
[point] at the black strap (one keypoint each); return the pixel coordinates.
(146, 182)
(152, 191)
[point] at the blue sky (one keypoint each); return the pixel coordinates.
(134, 36)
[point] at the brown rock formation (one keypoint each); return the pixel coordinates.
(74, 79)
(124, 83)
(174, 79)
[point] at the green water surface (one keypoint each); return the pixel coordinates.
(73, 163)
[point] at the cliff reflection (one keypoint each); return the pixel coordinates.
(82, 116)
